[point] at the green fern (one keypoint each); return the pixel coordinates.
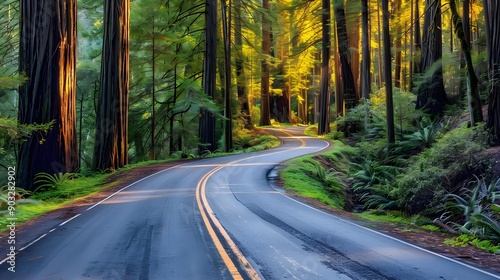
(45, 181)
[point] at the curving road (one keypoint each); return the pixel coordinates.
(220, 218)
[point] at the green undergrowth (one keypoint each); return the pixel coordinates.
(43, 201)
(58, 190)
(464, 240)
(399, 218)
(307, 177)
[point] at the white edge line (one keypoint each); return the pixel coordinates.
(32, 242)
(65, 222)
(394, 238)
(390, 237)
(126, 187)
(76, 216)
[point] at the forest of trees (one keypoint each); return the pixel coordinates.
(92, 86)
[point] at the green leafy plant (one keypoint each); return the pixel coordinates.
(372, 184)
(476, 208)
(426, 134)
(45, 181)
(441, 169)
(464, 240)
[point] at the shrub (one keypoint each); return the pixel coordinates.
(476, 208)
(372, 184)
(441, 169)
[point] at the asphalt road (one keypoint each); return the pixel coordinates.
(220, 218)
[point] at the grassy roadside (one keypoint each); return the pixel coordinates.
(327, 178)
(65, 190)
(310, 177)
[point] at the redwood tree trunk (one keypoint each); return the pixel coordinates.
(324, 94)
(431, 94)
(417, 45)
(240, 69)
(349, 85)
(207, 119)
(265, 113)
(111, 143)
(398, 43)
(474, 100)
(47, 55)
(492, 15)
(366, 59)
(388, 71)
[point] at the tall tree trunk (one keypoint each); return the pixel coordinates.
(417, 45)
(380, 61)
(265, 110)
(245, 114)
(353, 25)
(207, 118)
(431, 94)
(474, 101)
(111, 143)
(349, 85)
(228, 127)
(47, 55)
(366, 59)
(387, 70)
(398, 61)
(324, 93)
(153, 92)
(492, 15)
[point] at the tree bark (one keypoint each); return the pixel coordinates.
(324, 94)
(207, 118)
(111, 143)
(240, 69)
(349, 85)
(417, 45)
(265, 110)
(47, 55)
(366, 59)
(431, 94)
(474, 101)
(388, 71)
(492, 15)
(228, 127)
(353, 32)
(398, 60)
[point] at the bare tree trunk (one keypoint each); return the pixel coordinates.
(366, 59)
(207, 119)
(240, 69)
(324, 94)
(47, 55)
(353, 32)
(492, 15)
(474, 101)
(398, 62)
(265, 112)
(388, 78)
(431, 94)
(349, 85)
(380, 61)
(111, 143)
(228, 127)
(417, 45)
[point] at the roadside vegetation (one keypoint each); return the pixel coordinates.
(57, 190)
(440, 175)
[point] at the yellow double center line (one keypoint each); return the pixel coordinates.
(207, 213)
